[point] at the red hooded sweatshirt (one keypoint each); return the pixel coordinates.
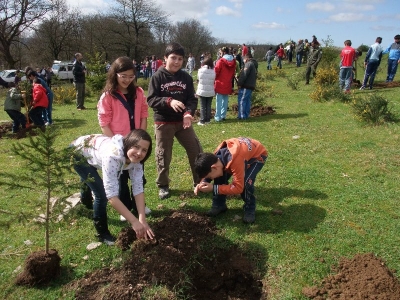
(224, 73)
(39, 96)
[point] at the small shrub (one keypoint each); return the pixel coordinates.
(261, 93)
(294, 80)
(64, 94)
(143, 83)
(373, 109)
(327, 76)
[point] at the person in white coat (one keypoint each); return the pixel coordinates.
(205, 90)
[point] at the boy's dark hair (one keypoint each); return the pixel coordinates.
(378, 40)
(36, 80)
(203, 163)
(174, 48)
(347, 42)
(133, 138)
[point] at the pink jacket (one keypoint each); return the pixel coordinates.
(111, 112)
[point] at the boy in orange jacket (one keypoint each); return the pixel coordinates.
(240, 158)
(39, 103)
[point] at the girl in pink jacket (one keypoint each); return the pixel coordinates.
(122, 107)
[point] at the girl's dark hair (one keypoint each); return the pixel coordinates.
(174, 48)
(121, 64)
(209, 63)
(225, 50)
(133, 138)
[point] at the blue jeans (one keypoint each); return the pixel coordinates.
(345, 78)
(279, 62)
(244, 103)
(269, 60)
(299, 57)
(370, 73)
(221, 103)
(392, 69)
(47, 113)
(18, 118)
(91, 177)
(253, 167)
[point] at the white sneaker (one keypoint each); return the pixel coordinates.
(200, 124)
(122, 218)
(147, 210)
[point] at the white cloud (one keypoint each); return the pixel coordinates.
(351, 17)
(237, 3)
(383, 28)
(185, 9)
(89, 6)
(320, 6)
(357, 7)
(272, 25)
(226, 11)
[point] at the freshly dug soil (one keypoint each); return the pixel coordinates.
(183, 259)
(40, 268)
(22, 133)
(363, 277)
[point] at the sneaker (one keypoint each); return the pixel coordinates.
(163, 193)
(215, 211)
(106, 238)
(122, 218)
(249, 217)
(147, 210)
(200, 124)
(47, 124)
(362, 88)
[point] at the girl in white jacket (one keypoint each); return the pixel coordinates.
(112, 155)
(205, 90)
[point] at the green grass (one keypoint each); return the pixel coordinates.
(337, 186)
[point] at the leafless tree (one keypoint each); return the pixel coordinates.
(16, 17)
(192, 35)
(139, 18)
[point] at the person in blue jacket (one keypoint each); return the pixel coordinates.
(394, 58)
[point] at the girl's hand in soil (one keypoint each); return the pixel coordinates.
(142, 230)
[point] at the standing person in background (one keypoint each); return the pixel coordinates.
(153, 64)
(347, 57)
(393, 59)
(246, 84)
(122, 108)
(269, 56)
(252, 51)
(281, 55)
(171, 95)
(224, 72)
(205, 90)
(372, 62)
(190, 64)
(79, 73)
(305, 51)
(245, 50)
(314, 57)
(39, 103)
(299, 52)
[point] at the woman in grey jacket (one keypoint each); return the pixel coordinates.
(205, 90)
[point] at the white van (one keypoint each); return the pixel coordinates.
(62, 69)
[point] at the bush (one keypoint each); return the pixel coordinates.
(261, 93)
(64, 94)
(294, 80)
(143, 83)
(373, 109)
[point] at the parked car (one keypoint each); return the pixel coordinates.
(9, 75)
(62, 69)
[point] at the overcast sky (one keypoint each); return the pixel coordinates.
(270, 21)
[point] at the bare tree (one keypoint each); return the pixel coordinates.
(17, 16)
(139, 18)
(195, 37)
(54, 33)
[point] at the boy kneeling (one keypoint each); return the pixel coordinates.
(241, 158)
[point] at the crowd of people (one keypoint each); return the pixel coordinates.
(124, 145)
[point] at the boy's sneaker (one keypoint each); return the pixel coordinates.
(163, 193)
(200, 124)
(215, 211)
(249, 217)
(147, 210)
(122, 218)
(362, 88)
(106, 238)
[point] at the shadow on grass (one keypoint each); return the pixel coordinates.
(232, 119)
(70, 123)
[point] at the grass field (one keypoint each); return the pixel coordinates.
(335, 180)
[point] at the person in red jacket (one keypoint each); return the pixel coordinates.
(347, 57)
(281, 55)
(224, 73)
(240, 158)
(39, 103)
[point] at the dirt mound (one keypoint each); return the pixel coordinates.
(6, 128)
(363, 277)
(187, 260)
(40, 268)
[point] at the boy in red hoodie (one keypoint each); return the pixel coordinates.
(240, 158)
(39, 103)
